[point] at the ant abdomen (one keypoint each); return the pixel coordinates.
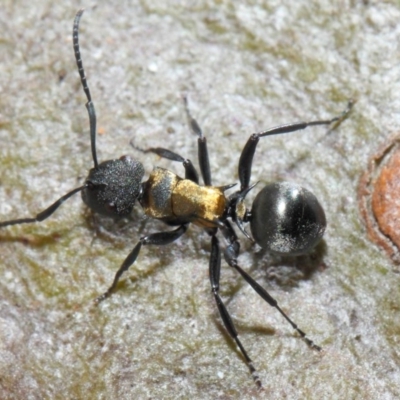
(287, 219)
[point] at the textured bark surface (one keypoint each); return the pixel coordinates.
(245, 66)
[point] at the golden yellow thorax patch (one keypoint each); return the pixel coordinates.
(201, 205)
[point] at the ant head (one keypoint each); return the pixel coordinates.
(113, 186)
(287, 219)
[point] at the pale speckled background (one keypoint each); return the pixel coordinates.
(245, 67)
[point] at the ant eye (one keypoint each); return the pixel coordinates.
(287, 219)
(90, 185)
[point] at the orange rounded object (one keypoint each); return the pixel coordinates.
(379, 198)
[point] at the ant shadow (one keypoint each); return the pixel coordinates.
(34, 239)
(287, 271)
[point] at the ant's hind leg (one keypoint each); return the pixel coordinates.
(246, 158)
(231, 254)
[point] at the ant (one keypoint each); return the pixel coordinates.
(284, 218)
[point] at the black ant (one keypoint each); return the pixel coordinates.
(284, 218)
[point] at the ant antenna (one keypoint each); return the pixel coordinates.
(89, 104)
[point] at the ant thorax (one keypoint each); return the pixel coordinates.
(172, 199)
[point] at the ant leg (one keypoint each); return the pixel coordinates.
(204, 161)
(246, 158)
(43, 214)
(215, 270)
(190, 170)
(158, 238)
(231, 253)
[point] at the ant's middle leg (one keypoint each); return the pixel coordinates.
(158, 238)
(204, 160)
(190, 170)
(215, 272)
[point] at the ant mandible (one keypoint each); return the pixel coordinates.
(284, 218)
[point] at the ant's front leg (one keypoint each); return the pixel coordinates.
(190, 170)
(159, 238)
(45, 213)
